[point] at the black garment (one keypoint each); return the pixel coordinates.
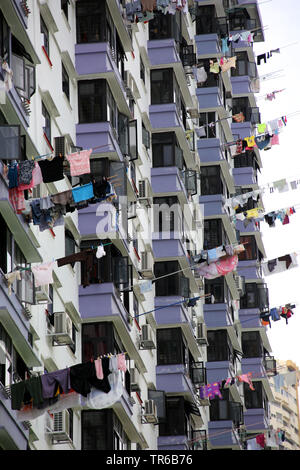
(271, 264)
(270, 219)
(287, 259)
(261, 57)
(23, 392)
(86, 257)
(52, 170)
(83, 377)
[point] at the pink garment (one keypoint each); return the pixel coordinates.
(121, 362)
(209, 271)
(17, 199)
(43, 274)
(275, 139)
(79, 162)
(99, 370)
(37, 177)
(227, 265)
(246, 378)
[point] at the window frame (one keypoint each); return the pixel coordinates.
(65, 81)
(162, 89)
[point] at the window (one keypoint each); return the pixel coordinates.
(90, 21)
(45, 34)
(111, 268)
(216, 287)
(251, 344)
(213, 233)
(218, 346)
(246, 159)
(169, 214)
(176, 421)
(96, 430)
(251, 250)
(65, 82)
(226, 409)
(162, 87)
(254, 398)
(146, 137)
(165, 26)
(177, 284)
(170, 346)
(211, 180)
(256, 296)
(47, 123)
(64, 4)
(4, 38)
(165, 150)
(92, 101)
(70, 243)
(204, 120)
(102, 430)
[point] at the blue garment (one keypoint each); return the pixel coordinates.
(83, 193)
(275, 314)
(262, 141)
(39, 217)
(13, 176)
(212, 255)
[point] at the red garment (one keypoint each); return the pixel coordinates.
(17, 200)
(260, 439)
(227, 264)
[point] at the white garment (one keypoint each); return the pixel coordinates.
(280, 266)
(100, 252)
(201, 75)
(98, 400)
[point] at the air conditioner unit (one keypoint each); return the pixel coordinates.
(63, 326)
(240, 283)
(134, 380)
(147, 337)
(147, 264)
(144, 194)
(150, 412)
(58, 426)
(201, 333)
(42, 294)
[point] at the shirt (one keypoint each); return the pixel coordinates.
(79, 162)
(52, 170)
(43, 274)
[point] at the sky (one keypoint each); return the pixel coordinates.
(281, 27)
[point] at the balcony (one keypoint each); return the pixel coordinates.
(101, 137)
(245, 176)
(13, 435)
(112, 310)
(96, 60)
(16, 224)
(256, 420)
(214, 209)
(223, 434)
(249, 269)
(173, 379)
(170, 180)
(164, 52)
(14, 318)
(168, 316)
(15, 15)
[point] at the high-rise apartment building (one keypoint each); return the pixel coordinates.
(150, 100)
(285, 407)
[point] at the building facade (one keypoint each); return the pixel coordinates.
(143, 95)
(285, 407)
